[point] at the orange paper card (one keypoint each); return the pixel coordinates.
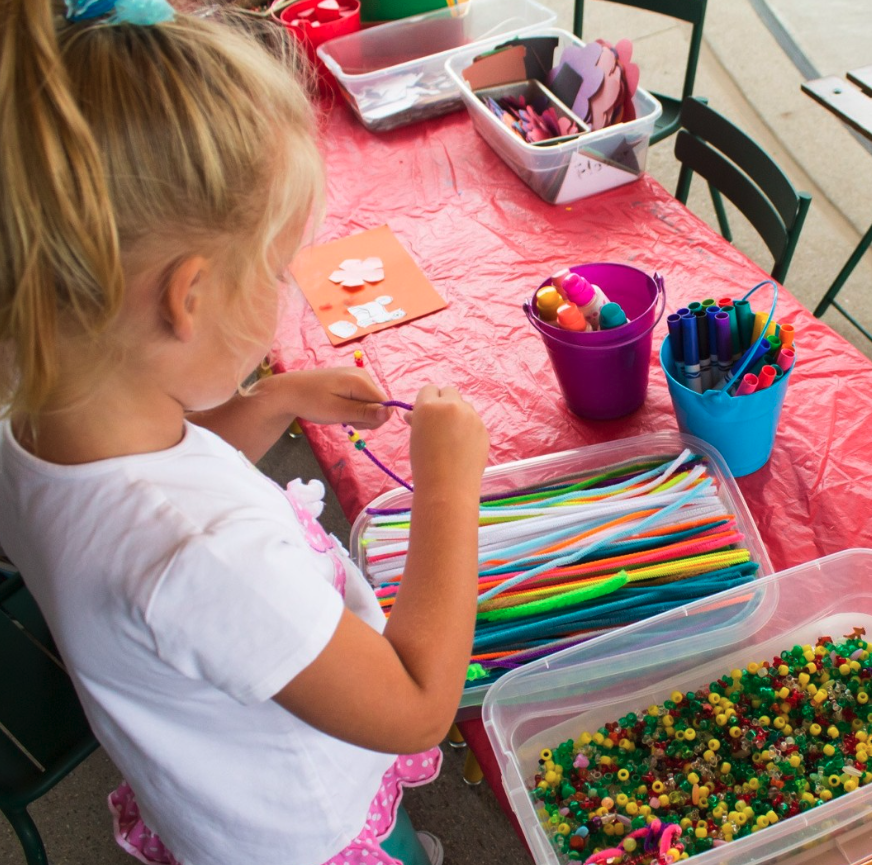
(363, 283)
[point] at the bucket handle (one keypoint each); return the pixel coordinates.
(660, 299)
(751, 349)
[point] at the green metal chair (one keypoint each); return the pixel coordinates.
(692, 11)
(711, 146)
(43, 731)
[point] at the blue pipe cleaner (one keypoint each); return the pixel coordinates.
(143, 13)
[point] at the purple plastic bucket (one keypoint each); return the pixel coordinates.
(604, 374)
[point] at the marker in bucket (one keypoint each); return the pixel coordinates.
(787, 334)
(725, 350)
(748, 384)
(690, 344)
(548, 301)
(745, 317)
(767, 376)
(785, 358)
(705, 363)
(759, 323)
(710, 313)
(673, 322)
(734, 331)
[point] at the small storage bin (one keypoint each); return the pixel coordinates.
(538, 471)
(580, 689)
(394, 73)
(590, 163)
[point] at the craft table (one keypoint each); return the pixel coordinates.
(853, 106)
(485, 241)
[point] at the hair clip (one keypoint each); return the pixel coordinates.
(143, 13)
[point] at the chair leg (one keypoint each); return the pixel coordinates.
(844, 273)
(723, 222)
(28, 835)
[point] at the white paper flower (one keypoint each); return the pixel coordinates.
(353, 272)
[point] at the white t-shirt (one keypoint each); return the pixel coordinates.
(183, 594)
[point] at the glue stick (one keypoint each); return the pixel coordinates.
(589, 298)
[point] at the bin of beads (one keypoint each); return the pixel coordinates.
(737, 729)
(608, 566)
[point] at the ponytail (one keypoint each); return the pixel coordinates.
(59, 258)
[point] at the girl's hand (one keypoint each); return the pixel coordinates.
(343, 394)
(449, 443)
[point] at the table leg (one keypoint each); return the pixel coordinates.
(455, 737)
(845, 272)
(476, 739)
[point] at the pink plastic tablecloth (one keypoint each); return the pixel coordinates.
(485, 241)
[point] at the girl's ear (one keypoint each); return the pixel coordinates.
(180, 301)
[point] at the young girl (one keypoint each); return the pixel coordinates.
(157, 176)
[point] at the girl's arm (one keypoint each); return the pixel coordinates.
(399, 691)
(254, 421)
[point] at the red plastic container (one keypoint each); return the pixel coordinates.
(316, 27)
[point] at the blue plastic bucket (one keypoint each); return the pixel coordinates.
(741, 428)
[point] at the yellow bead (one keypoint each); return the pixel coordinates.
(862, 736)
(829, 750)
(819, 696)
(721, 720)
(700, 832)
(664, 800)
(779, 723)
(686, 823)
(754, 783)
(676, 696)
(551, 777)
(784, 693)
(815, 729)
(772, 817)
(762, 821)
(653, 711)
(834, 781)
(753, 667)
(632, 809)
(629, 844)
(598, 738)
(795, 760)
(714, 744)
(623, 774)
(657, 786)
(850, 785)
(668, 720)
(765, 720)
(826, 795)
(862, 698)
(690, 734)
(605, 760)
(709, 756)
(833, 732)
(809, 655)
(735, 732)
(545, 754)
(673, 853)
(714, 698)
(564, 829)
(845, 669)
(725, 768)
(693, 778)
(803, 678)
(621, 799)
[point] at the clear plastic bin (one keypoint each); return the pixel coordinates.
(394, 73)
(590, 163)
(579, 689)
(554, 467)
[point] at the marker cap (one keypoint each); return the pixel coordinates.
(570, 317)
(611, 315)
(548, 301)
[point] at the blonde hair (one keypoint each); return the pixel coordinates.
(124, 142)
